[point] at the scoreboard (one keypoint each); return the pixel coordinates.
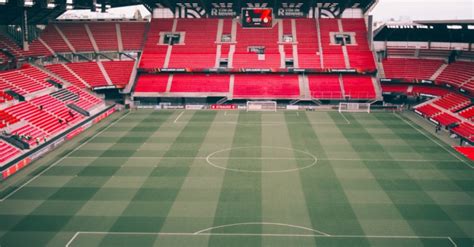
(257, 17)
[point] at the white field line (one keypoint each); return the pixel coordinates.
(62, 158)
(270, 158)
(429, 137)
(345, 118)
(262, 123)
(176, 120)
(261, 223)
(68, 244)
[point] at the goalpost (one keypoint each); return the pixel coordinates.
(354, 107)
(262, 106)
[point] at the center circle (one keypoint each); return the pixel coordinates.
(261, 159)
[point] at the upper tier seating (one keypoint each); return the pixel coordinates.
(12, 47)
(89, 72)
(154, 53)
(132, 35)
(410, 68)
(7, 151)
(267, 38)
(325, 86)
(199, 42)
(457, 73)
(358, 87)
(360, 56)
(308, 45)
(332, 53)
(437, 91)
(61, 71)
(105, 35)
(195, 83)
(266, 86)
(119, 72)
(77, 35)
(52, 38)
(152, 83)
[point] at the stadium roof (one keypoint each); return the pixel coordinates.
(455, 31)
(42, 11)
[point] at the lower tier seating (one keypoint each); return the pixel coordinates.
(468, 113)
(428, 110)
(465, 130)
(453, 102)
(325, 86)
(7, 119)
(266, 86)
(37, 116)
(358, 87)
(31, 134)
(200, 83)
(446, 119)
(57, 109)
(152, 84)
(7, 151)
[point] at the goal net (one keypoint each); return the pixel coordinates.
(354, 107)
(261, 106)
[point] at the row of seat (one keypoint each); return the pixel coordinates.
(74, 37)
(201, 45)
(24, 81)
(7, 151)
(259, 86)
(89, 74)
(459, 74)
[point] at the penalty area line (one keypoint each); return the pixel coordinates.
(177, 118)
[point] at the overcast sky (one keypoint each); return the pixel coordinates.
(385, 10)
(424, 9)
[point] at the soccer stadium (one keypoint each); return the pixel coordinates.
(234, 123)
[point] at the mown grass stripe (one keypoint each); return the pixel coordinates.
(240, 197)
(161, 199)
(418, 214)
(71, 196)
(327, 204)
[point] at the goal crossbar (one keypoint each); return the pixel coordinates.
(354, 107)
(262, 106)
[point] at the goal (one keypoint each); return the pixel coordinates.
(262, 106)
(354, 107)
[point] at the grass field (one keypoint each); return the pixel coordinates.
(204, 178)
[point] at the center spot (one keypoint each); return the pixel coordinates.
(261, 159)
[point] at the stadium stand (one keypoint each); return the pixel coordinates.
(76, 35)
(132, 34)
(429, 110)
(332, 53)
(453, 102)
(266, 86)
(7, 151)
(154, 53)
(67, 74)
(89, 72)
(119, 71)
(152, 84)
(468, 113)
(308, 45)
(266, 38)
(410, 68)
(200, 83)
(198, 43)
(358, 87)
(54, 41)
(7, 119)
(325, 86)
(457, 73)
(105, 35)
(360, 56)
(24, 81)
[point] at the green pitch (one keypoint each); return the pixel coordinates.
(207, 178)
